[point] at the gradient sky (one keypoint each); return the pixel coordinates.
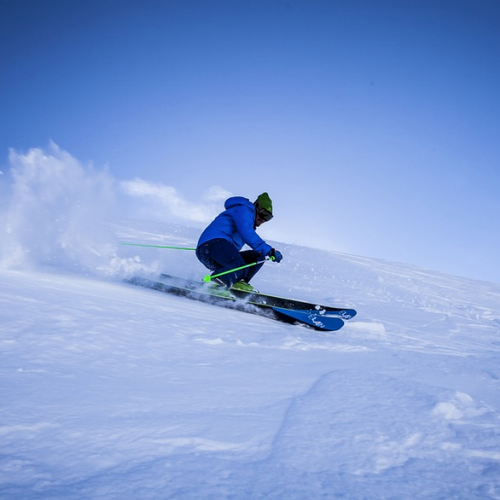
(374, 125)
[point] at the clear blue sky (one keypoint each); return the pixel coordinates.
(374, 125)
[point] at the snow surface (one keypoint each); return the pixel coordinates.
(110, 391)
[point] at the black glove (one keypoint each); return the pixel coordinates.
(275, 255)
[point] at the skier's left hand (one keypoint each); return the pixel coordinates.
(275, 255)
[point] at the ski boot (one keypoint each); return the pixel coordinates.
(243, 286)
(218, 288)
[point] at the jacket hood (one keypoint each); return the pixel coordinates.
(237, 200)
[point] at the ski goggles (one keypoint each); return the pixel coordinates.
(264, 214)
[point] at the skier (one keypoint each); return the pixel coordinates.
(220, 243)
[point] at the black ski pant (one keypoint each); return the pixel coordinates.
(219, 255)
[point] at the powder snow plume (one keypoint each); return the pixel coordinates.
(58, 212)
(54, 214)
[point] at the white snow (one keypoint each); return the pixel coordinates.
(110, 391)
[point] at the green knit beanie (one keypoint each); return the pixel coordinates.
(265, 202)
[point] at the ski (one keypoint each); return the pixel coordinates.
(319, 317)
(263, 299)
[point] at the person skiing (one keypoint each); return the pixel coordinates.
(219, 245)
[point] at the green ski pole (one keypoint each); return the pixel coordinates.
(158, 246)
(209, 277)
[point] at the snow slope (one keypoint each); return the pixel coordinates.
(115, 392)
(110, 391)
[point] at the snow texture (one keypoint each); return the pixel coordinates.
(110, 391)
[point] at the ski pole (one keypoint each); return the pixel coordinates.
(209, 277)
(158, 246)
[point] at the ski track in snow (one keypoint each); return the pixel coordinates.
(109, 391)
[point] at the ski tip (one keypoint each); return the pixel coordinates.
(312, 318)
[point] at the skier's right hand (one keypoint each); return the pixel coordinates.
(275, 255)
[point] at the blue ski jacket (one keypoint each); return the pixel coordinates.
(236, 225)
